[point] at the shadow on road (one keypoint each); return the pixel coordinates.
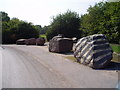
(68, 53)
(112, 66)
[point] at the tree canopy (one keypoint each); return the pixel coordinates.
(5, 16)
(103, 18)
(16, 29)
(67, 24)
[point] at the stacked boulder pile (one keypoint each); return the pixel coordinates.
(60, 44)
(93, 51)
(31, 41)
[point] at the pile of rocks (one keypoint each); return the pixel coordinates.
(31, 41)
(93, 51)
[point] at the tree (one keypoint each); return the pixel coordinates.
(5, 16)
(5, 27)
(113, 0)
(27, 30)
(39, 27)
(17, 29)
(67, 24)
(90, 23)
(103, 18)
(44, 29)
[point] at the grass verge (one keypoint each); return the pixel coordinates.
(116, 58)
(71, 58)
(115, 47)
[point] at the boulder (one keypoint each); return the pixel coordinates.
(60, 44)
(40, 41)
(21, 42)
(93, 51)
(31, 41)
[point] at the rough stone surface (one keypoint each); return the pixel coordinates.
(40, 41)
(21, 42)
(93, 51)
(60, 44)
(31, 41)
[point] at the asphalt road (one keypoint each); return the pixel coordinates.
(35, 67)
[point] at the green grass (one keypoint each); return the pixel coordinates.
(71, 58)
(116, 58)
(42, 35)
(115, 47)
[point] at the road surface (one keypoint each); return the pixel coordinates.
(35, 67)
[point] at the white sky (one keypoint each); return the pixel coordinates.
(40, 12)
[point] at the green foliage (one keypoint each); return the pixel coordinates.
(39, 28)
(44, 30)
(113, 0)
(44, 36)
(17, 29)
(5, 16)
(51, 33)
(67, 24)
(103, 18)
(27, 30)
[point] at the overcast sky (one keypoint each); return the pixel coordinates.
(40, 12)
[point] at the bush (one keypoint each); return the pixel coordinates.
(16, 29)
(67, 24)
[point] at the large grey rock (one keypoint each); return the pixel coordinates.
(31, 41)
(93, 51)
(40, 41)
(60, 44)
